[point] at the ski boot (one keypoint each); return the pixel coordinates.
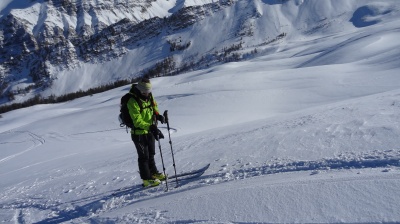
(159, 176)
(151, 183)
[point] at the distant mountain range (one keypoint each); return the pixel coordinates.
(61, 46)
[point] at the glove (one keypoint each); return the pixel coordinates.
(160, 134)
(156, 132)
(161, 118)
(153, 129)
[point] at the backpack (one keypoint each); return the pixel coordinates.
(124, 116)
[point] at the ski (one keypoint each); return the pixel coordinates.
(192, 176)
(190, 173)
(183, 178)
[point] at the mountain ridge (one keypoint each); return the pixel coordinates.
(44, 57)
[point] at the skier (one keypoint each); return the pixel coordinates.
(144, 115)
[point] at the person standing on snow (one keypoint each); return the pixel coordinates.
(144, 115)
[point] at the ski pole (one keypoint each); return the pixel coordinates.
(157, 136)
(162, 161)
(170, 143)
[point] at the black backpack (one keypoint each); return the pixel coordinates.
(124, 116)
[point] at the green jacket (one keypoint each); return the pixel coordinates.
(142, 119)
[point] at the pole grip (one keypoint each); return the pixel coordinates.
(166, 116)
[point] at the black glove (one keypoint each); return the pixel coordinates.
(161, 118)
(160, 134)
(156, 132)
(153, 129)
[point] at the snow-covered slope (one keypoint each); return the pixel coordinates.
(310, 159)
(306, 134)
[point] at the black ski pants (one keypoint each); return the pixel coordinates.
(145, 147)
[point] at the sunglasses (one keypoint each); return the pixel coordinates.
(145, 93)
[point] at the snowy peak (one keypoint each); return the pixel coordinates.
(59, 46)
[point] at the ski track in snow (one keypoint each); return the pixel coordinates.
(36, 139)
(92, 206)
(88, 208)
(378, 159)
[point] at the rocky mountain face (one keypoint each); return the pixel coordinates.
(59, 36)
(44, 42)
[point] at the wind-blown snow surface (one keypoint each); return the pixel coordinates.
(309, 134)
